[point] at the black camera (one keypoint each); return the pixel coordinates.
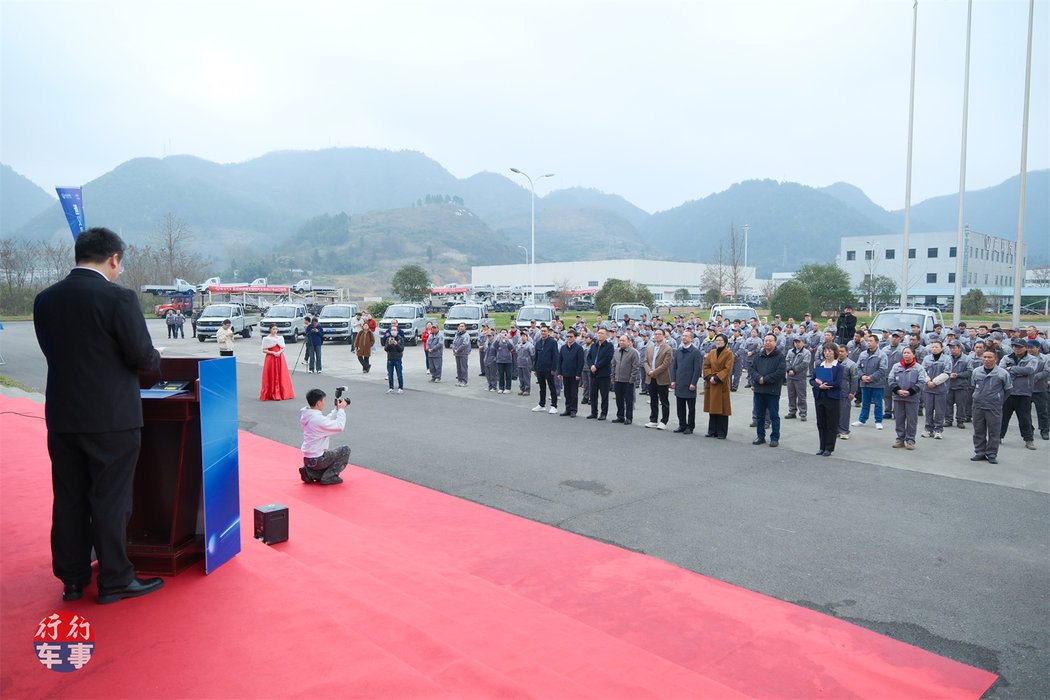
(339, 394)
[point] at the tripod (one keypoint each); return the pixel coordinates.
(296, 366)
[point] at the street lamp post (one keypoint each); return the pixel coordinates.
(532, 268)
(526, 251)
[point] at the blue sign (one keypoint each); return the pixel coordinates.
(219, 454)
(72, 200)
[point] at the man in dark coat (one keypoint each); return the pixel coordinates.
(570, 369)
(766, 377)
(95, 340)
(599, 364)
(687, 364)
(845, 326)
(546, 368)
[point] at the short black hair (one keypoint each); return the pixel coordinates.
(96, 245)
(313, 396)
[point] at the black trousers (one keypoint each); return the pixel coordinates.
(546, 380)
(828, 411)
(717, 425)
(1022, 406)
(624, 400)
(92, 476)
(658, 401)
(571, 389)
(600, 387)
(1039, 400)
(686, 412)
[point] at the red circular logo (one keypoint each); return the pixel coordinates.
(64, 641)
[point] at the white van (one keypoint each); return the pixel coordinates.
(733, 312)
(335, 321)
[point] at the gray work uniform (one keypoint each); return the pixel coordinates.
(461, 351)
(797, 360)
(523, 362)
(960, 390)
(906, 408)
(850, 382)
(435, 349)
(935, 398)
(990, 389)
(893, 357)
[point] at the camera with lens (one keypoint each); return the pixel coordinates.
(339, 394)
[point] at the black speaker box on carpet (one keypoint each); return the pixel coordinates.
(271, 523)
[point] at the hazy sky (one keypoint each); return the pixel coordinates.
(660, 102)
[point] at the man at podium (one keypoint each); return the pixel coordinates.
(94, 337)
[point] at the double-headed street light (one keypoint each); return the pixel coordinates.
(532, 268)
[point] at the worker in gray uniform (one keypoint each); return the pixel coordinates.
(960, 389)
(1022, 368)
(461, 351)
(935, 396)
(435, 350)
(523, 359)
(1040, 387)
(991, 387)
(907, 380)
(893, 357)
(797, 362)
(872, 368)
(850, 382)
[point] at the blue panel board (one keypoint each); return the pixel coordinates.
(220, 458)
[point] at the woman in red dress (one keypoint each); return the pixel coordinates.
(276, 382)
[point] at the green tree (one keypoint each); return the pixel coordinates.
(879, 291)
(681, 296)
(617, 291)
(377, 309)
(791, 299)
(411, 283)
(828, 286)
(973, 302)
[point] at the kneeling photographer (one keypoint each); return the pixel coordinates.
(320, 464)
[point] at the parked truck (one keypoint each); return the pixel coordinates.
(411, 319)
(179, 286)
(306, 286)
(213, 315)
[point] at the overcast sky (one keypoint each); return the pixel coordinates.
(659, 102)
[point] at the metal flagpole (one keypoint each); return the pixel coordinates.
(960, 249)
(1015, 317)
(907, 187)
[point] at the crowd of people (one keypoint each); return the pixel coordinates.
(979, 376)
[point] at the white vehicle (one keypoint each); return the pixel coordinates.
(288, 318)
(336, 320)
(213, 315)
(901, 319)
(211, 281)
(411, 319)
(306, 286)
(540, 313)
(259, 282)
(470, 315)
(733, 312)
(177, 287)
(634, 311)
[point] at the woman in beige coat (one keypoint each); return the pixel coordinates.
(717, 373)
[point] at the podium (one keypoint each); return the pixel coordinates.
(186, 495)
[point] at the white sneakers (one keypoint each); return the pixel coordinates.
(878, 426)
(390, 391)
(662, 426)
(858, 422)
(537, 409)
(651, 424)
(400, 391)
(554, 409)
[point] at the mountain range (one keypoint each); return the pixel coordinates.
(401, 207)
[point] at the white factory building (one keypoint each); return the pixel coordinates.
(662, 277)
(988, 263)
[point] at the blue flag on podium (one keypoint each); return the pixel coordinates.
(72, 200)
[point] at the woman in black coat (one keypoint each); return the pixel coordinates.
(827, 381)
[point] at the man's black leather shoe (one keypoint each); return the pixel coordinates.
(73, 591)
(137, 587)
(978, 458)
(617, 420)
(627, 421)
(679, 429)
(774, 443)
(993, 460)
(601, 417)
(592, 416)
(752, 424)
(759, 441)
(566, 413)
(688, 431)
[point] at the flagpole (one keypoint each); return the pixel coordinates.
(960, 244)
(1015, 317)
(907, 187)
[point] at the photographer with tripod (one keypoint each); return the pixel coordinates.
(320, 464)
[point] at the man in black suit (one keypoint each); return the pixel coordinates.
(599, 364)
(95, 340)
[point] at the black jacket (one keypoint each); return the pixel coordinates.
(95, 340)
(600, 355)
(772, 368)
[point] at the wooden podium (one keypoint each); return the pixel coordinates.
(169, 526)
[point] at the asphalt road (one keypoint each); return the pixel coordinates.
(924, 547)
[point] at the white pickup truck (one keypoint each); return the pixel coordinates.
(306, 286)
(213, 315)
(177, 287)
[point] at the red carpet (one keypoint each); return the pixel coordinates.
(389, 590)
